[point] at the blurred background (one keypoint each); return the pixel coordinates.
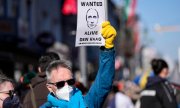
(146, 29)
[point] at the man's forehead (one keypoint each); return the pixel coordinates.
(7, 85)
(60, 74)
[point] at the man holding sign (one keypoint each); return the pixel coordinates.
(60, 80)
(91, 31)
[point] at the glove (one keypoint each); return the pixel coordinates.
(109, 33)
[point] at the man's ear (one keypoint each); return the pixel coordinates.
(39, 69)
(49, 87)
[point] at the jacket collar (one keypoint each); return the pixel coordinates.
(154, 80)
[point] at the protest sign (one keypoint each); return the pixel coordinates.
(91, 14)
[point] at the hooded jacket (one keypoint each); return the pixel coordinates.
(99, 89)
(158, 94)
(40, 91)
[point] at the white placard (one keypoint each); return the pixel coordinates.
(91, 14)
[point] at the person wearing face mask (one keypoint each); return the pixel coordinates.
(63, 93)
(8, 99)
(159, 93)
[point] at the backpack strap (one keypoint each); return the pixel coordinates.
(33, 97)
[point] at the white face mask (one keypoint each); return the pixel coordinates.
(64, 93)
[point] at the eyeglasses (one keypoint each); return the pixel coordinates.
(61, 84)
(10, 93)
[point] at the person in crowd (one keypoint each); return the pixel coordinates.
(29, 75)
(8, 98)
(120, 99)
(158, 93)
(63, 93)
(37, 95)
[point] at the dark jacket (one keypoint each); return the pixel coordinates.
(40, 91)
(158, 94)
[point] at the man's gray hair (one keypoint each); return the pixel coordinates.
(55, 64)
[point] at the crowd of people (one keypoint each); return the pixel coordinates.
(56, 76)
(54, 86)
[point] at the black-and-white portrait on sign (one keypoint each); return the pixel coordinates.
(92, 17)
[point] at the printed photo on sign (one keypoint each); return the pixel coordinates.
(91, 14)
(92, 17)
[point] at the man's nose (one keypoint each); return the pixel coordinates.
(66, 83)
